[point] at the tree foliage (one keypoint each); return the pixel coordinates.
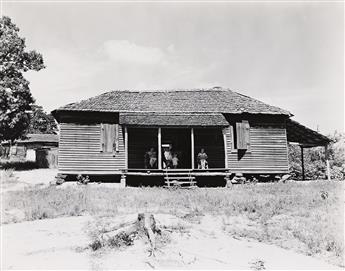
(15, 95)
(315, 160)
(41, 122)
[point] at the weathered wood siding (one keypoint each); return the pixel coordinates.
(268, 150)
(80, 149)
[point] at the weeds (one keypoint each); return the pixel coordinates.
(7, 176)
(121, 240)
(290, 215)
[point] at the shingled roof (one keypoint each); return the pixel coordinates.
(40, 138)
(173, 119)
(36, 138)
(215, 100)
(304, 136)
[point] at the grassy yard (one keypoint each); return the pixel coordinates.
(294, 215)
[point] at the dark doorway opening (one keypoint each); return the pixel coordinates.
(212, 141)
(180, 141)
(140, 141)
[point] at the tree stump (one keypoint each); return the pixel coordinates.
(145, 223)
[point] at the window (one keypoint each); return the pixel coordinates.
(240, 132)
(14, 150)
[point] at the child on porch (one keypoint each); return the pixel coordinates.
(151, 159)
(167, 156)
(175, 160)
(202, 160)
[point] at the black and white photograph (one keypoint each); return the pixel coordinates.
(172, 135)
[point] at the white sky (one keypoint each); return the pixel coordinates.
(286, 54)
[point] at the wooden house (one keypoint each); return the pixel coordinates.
(110, 134)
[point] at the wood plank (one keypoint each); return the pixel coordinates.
(179, 178)
(192, 147)
(159, 148)
(225, 147)
(126, 147)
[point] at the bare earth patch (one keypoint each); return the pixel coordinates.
(247, 226)
(63, 243)
(18, 180)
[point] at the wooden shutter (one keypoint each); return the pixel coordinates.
(247, 134)
(108, 138)
(243, 135)
(116, 137)
(102, 138)
(233, 139)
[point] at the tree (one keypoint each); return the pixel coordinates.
(41, 122)
(15, 96)
(315, 159)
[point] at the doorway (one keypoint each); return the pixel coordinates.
(179, 141)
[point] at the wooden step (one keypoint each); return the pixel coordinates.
(184, 187)
(178, 182)
(179, 178)
(176, 173)
(177, 170)
(172, 186)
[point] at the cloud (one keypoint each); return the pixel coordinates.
(74, 74)
(65, 79)
(124, 51)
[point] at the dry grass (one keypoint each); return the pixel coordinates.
(292, 215)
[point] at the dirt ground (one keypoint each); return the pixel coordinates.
(62, 243)
(27, 178)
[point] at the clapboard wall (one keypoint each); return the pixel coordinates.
(80, 150)
(267, 152)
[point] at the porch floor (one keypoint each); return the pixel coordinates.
(182, 172)
(155, 172)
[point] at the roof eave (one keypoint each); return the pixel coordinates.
(56, 112)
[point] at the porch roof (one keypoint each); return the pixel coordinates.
(304, 136)
(173, 119)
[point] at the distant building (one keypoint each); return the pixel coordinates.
(41, 148)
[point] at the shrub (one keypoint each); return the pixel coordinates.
(315, 160)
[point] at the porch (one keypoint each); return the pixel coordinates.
(184, 142)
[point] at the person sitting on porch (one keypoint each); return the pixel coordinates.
(167, 157)
(202, 159)
(175, 160)
(151, 158)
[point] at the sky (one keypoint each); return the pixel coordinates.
(289, 55)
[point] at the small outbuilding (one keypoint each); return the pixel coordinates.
(41, 148)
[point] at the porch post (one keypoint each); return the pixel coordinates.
(225, 148)
(327, 164)
(302, 160)
(126, 147)
(159, 148)
(192, 145)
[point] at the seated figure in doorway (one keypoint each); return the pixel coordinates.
(175, 160)
(150, 159)
(167, 157)
(202, 160)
